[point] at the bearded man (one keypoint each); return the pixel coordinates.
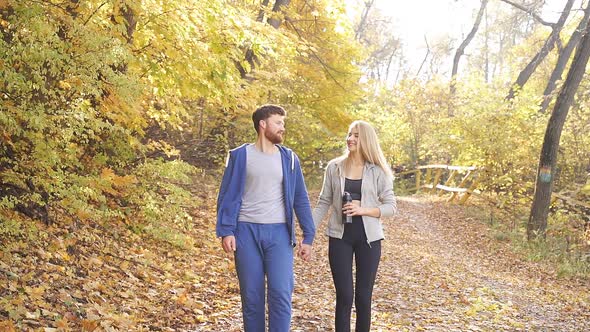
(262, 186)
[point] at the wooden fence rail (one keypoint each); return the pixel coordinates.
(429, 179)
(441, 179)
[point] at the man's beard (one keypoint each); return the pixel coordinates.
(274, 138)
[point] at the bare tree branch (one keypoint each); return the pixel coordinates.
(275, 22)
(94, 12)
(279, 4)
(261, 12)
(530, 12)
(563, 59)
(549, 44)
(364, 16)
(425, 57)
(461, 50)
(389, 63)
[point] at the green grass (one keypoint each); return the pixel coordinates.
(563, 247)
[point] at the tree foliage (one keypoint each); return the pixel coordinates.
(110, 109)
(94, 92)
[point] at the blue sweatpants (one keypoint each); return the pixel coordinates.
(265, 250)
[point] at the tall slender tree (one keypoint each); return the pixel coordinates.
(461, 50)
(537, 223)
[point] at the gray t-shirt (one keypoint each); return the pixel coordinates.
(263, 199)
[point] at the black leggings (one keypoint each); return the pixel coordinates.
(367, 259)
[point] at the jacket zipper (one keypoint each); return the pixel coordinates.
(293, 242)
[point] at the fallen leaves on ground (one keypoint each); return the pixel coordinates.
(440, 271)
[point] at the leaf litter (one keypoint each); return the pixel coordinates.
(440, 271)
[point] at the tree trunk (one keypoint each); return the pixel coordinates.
(261, 11)
(461, 50)
(548, 46)
(537, 223)
(487, 50)
(279, 4)
(389, 65)
(425, 57)
(563, 59)
(363, 22)
(530, 11)
(249, 55)
(400, 68)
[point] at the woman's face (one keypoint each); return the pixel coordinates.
(352, 141)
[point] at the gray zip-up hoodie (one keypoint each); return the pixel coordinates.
(376, 191)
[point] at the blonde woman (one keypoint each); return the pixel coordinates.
(363, 173)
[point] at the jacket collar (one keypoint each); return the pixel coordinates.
(288, 155)
(340, 166)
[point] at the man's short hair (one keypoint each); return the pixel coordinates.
(264, 112)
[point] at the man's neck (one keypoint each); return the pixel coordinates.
(264, 145)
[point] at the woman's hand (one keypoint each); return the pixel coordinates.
(353, 209)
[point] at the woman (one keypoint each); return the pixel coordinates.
(363, 172)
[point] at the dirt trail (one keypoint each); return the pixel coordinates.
(440, 271)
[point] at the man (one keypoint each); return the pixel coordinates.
(261, 187)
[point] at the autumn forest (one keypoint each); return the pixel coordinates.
(116, 117)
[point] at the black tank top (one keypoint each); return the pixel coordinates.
(354, 188)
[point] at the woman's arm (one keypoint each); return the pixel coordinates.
(388, 205)
(325, 200)
(371, 212)
(354, 209)
(385, 195)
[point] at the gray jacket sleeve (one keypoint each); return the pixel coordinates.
(388, 205)
(325, 200)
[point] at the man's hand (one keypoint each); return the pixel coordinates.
(304, 251)
(229, 243)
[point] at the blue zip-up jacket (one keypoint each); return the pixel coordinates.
(229, 200)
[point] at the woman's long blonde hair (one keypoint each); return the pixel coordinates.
(368, 146)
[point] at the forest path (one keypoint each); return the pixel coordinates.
(440, 271)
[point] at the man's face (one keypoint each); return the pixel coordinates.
(275, 128)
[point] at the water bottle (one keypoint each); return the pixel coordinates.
(346, 198)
